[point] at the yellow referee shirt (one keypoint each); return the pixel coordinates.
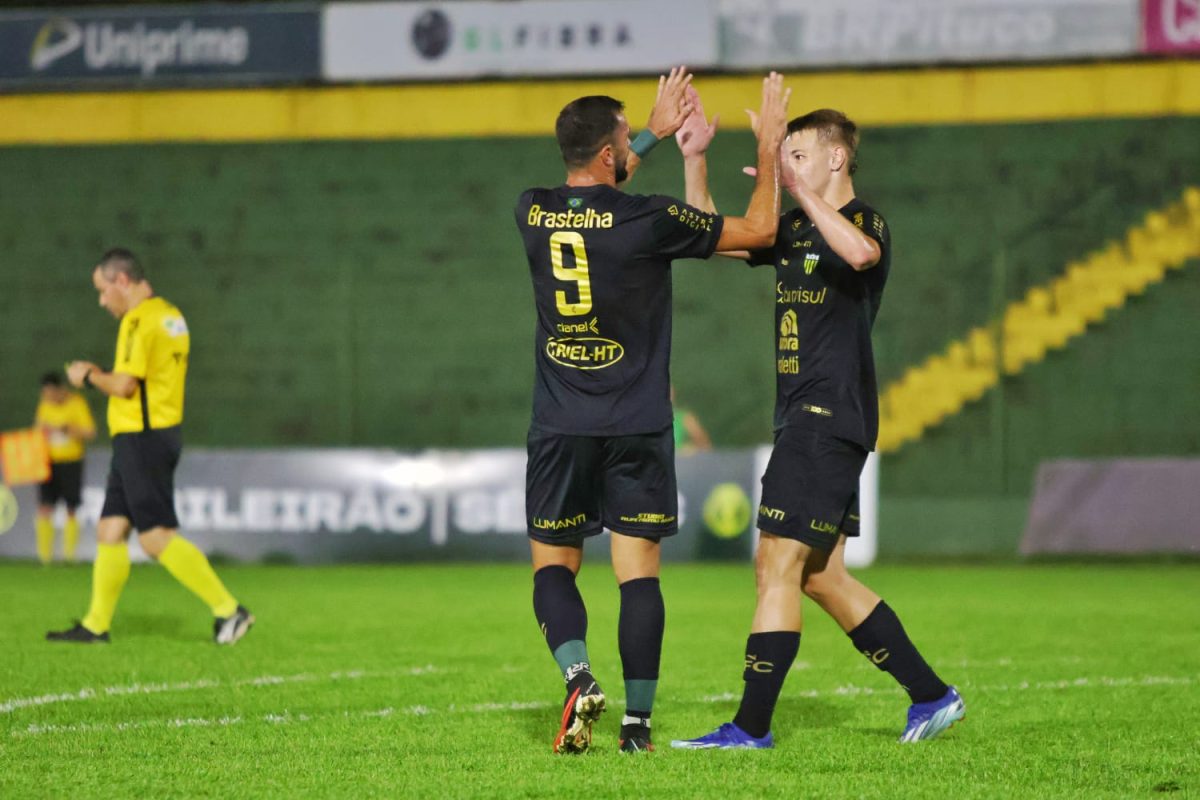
(152, 346)
(74, 412)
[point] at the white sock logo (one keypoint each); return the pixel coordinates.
(575, 669)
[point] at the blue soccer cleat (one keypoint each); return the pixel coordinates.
(728, 736)
(927, 720)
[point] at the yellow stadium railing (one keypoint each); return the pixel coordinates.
(1046, 318)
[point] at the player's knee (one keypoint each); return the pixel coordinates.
(770, 573)
(154, 541)
(111, 530)
(824, 585)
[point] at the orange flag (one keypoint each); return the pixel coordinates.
(24, 456)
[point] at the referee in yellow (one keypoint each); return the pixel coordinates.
(145, 413)
(67, 421)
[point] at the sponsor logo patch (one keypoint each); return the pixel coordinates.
(584, 352)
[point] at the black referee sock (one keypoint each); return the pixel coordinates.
(562, 616)
(769, 656)
(640, 636)
(881, 638)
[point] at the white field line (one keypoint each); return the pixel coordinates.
(274, 718)
(1102, 682)
(88, 693)
(288, 718)
(966, 663)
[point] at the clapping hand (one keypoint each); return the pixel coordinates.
(672, 104)
(696, 133)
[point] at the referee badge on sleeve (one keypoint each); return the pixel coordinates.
(176, 326)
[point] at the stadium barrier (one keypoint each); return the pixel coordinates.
(1115, 507)
(151, 46)
(484, 38)
(287, 44)
(317, 506)
(1171, 27)
(758, 34)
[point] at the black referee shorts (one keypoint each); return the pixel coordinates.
(65, 484)
(141, 478)
(810, 488)
(575, 486)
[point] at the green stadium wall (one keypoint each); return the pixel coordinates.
(375, 294)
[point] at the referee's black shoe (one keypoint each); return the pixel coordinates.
(77, 633)
(227, 630)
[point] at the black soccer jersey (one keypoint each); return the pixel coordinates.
(600, 261)
(824, 310)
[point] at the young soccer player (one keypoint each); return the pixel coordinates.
(831, 257)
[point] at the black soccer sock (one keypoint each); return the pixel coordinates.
(562, 616)
(640, 636)
(882, 639)
(769, 656)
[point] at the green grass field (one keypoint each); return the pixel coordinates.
(433, 681)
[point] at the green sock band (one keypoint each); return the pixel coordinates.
(644, 143)
(570, 653)
(639, 695)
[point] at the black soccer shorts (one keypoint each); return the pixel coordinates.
(141, 478)
(65, 483)
(810, 488)
(575, 486)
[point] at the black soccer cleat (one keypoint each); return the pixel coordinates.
(78, 634)
(635, 738)
(585, 704)
(227, 630)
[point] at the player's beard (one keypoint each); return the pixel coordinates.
(622, 170)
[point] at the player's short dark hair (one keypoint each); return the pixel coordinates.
(584, 126)
(831, 126)
(119, 259)
(52, 379)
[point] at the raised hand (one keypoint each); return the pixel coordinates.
(788, 178)
(696, 133)
(770, 123)
(672, 105)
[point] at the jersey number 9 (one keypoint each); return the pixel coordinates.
(577, 274)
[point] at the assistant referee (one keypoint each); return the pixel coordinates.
(145, 414)
(67, 421)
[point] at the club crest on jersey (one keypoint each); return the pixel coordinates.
(810, 262)
(585, 352)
